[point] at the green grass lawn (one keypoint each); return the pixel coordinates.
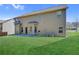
(40, 45)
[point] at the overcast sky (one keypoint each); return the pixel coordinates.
(8, 11)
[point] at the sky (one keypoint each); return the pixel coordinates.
(8, 11)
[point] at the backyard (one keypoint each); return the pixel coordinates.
(19, 45)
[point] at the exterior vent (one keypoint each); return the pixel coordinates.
(33, 22)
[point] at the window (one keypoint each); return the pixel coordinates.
(59, 14)
(26, 30)
(60, 29)
(38, 30)
(21, 29)
(1, 27)
(35, 30)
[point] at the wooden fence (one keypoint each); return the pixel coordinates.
(3, 33)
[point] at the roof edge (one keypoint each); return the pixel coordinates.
(55, 8)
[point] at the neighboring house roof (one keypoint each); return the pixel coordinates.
(1, 21)
(53, 9)
(6, 20)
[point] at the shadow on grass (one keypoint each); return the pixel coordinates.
(68, 46)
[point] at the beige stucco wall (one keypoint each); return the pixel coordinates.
(9, 27)
(48, 23)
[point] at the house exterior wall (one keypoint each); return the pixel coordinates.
(52, 22)
(9, 27)
(47, 23)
